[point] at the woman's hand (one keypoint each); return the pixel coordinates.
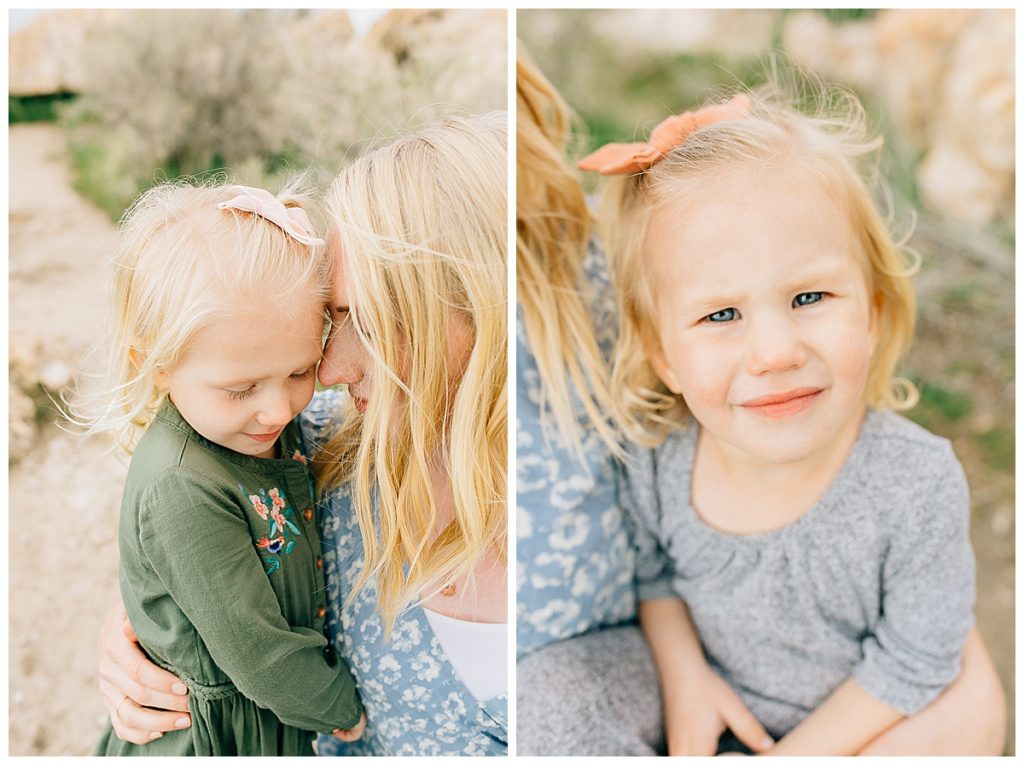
(697, 716)
(135, 691)
(352, 734)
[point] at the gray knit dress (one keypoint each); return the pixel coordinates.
(875, 581)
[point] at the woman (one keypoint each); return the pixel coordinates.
(585, 679)
(410, 464)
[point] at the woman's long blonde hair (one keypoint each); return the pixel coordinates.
(422, 226)
(553, 228)
(834, 144)
(179, 261)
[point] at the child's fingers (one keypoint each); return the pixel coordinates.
(694, 737)
(744, 725)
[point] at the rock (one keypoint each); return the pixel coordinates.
(22, 430)
(316, 29)
(968, 172)
(55, 375)
(846, 53)
(946, 80)
(23, 361)
(46, 55)
(731, 33)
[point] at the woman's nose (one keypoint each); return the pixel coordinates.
(775, 346)
(340, 363)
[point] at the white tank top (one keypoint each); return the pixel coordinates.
(478, 653)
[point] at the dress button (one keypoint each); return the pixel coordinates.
(308, 514)
(329, 655)
(321, 612)
(319, 562)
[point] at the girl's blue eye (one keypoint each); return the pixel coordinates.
(718, 317)
(238, 395)
(808, 298)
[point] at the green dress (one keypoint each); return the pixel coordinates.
(222, 579)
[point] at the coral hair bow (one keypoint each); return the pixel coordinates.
(627, 158)
(292, 220)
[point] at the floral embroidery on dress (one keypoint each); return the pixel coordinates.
(297, 455)
(272, 507)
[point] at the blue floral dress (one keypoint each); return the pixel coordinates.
(575, 561)
(415, 703)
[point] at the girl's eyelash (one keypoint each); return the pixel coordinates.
(238, 395)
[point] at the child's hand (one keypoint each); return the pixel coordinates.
(697, 716)
(352, 734)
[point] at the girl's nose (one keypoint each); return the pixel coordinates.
(775, 346)
(275, 409)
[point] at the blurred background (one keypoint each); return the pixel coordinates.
(102, 105)
(939, 85)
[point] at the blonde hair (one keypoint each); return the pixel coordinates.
(552, 231)
(423, 230)
(833, 143)
(180, 260)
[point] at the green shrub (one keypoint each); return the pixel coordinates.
(189, 92)
(35, 108)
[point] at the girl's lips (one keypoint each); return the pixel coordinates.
(785, 404)
(265, 437)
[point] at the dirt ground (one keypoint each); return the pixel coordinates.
(64, 491)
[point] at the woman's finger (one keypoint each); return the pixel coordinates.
(151, 720)
(126, 725)
(743, 724)
(116, 684)
(132, 674)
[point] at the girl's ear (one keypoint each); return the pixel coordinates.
(136, 357)
(661, 368)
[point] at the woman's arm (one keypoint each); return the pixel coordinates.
(143, 700)
(969, 718)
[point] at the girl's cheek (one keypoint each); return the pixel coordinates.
(850, 350)
(704, 372)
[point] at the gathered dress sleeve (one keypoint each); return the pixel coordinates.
(914, 652)
(199, 545)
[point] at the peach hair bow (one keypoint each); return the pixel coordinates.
(628, 158)
(292, 220)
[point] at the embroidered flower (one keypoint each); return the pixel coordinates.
(258, 503)
(271, 545)
(297, 455)
(272, 506)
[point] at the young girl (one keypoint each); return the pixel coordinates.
(818, 541)
(220, 294)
